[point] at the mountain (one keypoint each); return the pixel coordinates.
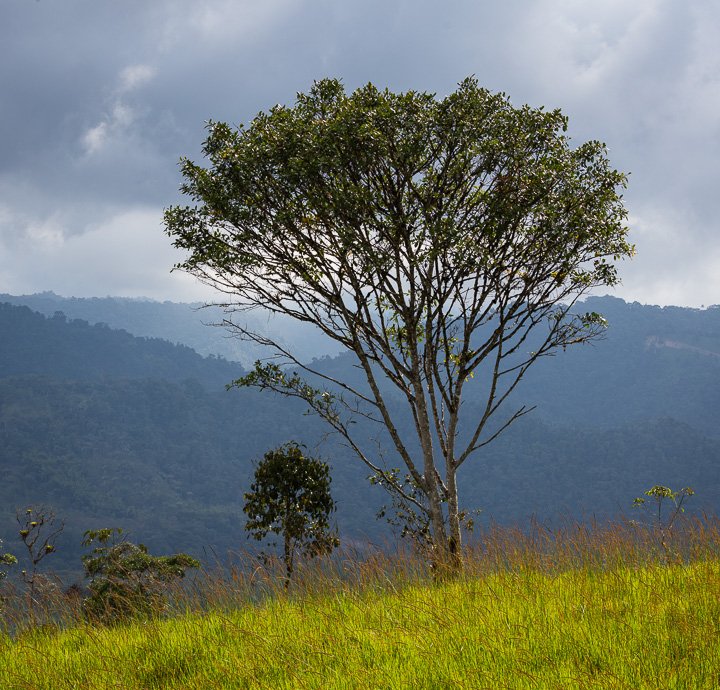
(181, 323)
(653, 363)
(111, 429)
(56, 347)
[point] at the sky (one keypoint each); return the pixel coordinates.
(99, 99)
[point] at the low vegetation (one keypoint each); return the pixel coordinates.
(615, 606)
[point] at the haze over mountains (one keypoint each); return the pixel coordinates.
(115, 428)
(181, 323)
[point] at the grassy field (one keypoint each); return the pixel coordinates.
(602, 610)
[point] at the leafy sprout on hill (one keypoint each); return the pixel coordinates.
(662, 496)
(39, 531)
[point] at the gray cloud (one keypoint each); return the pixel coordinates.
(100, 100)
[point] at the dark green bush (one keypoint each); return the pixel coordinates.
(125, 580)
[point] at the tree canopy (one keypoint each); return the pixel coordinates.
(435, 239)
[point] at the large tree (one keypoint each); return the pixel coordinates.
(433, 238)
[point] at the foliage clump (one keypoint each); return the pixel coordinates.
(6, 559)
(125, 579)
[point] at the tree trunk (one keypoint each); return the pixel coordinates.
(439, 555)
(455, 540)
(288, 561)
(288, 551)
(431, 488)
(440, 542)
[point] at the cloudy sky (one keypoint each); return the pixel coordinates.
(100, 98)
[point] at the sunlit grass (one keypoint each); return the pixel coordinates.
(531, 611)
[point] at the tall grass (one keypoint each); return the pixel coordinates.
(599, 606)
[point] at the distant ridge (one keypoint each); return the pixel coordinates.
(178, 322)
(74, 349)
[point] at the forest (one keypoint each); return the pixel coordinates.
(112, 428)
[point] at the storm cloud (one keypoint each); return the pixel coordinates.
(100, 99)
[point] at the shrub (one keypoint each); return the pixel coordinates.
(126, 580)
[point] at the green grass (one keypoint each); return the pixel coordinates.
(653, 627)
(532, 618)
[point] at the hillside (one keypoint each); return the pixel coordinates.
(62, 349)
(654, 362)
(630, 625)
(111, 429)
(188, 324)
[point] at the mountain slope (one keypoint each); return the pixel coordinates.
(188, 324)
(115, 430)
(33, 344)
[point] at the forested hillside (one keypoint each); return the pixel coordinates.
(62, 349)
(111, 429)
(179, 323)
(654, 362)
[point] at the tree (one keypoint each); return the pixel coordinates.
(664, 495)
(39, 532)
(435, 239)
(126, 580)
(290, 496)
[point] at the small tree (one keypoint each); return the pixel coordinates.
(434, 239)
(662, 495)
(125, 580)
(291, 497)
(39, 530)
